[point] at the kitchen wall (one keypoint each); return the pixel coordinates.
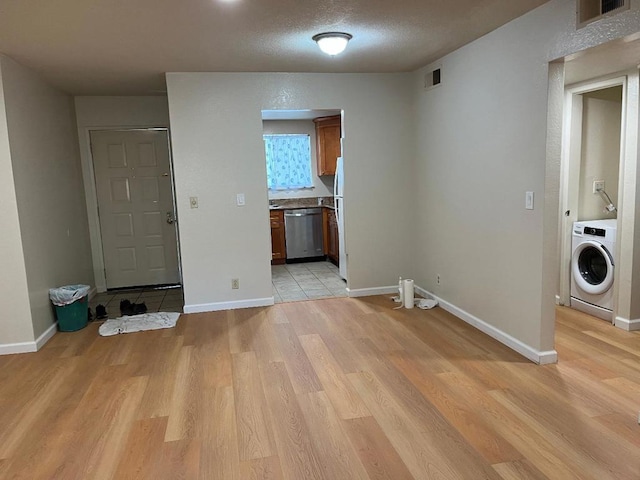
(218, 152)
(48, 188)
(482, 143)
(601, 126)
(322, 186)
(100, 113)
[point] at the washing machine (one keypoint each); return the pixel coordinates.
(592, 267)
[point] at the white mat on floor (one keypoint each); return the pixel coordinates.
(138, 323)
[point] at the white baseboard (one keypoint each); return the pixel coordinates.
(29, 347)
(368, 292)
(214, 307)
(628, 325)
(24, 347)
(46, 336)
(537, 356)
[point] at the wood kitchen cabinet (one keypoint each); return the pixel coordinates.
(328, 148)
(278, 245)
(331, 245)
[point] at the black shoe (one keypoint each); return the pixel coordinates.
(139, 308)
(101, 312)
(126, 307)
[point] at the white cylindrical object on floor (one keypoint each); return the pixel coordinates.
(407, 285)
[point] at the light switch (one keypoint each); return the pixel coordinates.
(193, 202)
(240, 199)
(528, 201)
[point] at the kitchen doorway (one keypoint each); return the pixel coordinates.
(136, 207)
(303, 159)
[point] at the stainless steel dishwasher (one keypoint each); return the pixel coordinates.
(303, 232)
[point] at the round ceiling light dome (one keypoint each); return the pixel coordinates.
(332, 43)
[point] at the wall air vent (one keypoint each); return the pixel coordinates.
(591, 10)
(433, 78)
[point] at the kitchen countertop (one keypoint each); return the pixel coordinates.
(294, 203)
(294, 207)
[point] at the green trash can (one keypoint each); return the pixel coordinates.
(74, 316)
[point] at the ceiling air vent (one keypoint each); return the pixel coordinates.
(433, 78)
(592, 10)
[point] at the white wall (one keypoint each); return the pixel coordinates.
(101, 113)
(601, 126)
(481, 146)
(132, 112)
(48, 186)
(15, 312)
(322, 186)
(218, 152)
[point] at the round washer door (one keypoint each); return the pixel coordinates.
(592, 267)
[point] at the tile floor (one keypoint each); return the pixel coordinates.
(156, 300)
(291, 282)
(303, 281)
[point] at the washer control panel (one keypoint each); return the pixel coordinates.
(598, 232)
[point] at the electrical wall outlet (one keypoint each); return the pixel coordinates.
(438, 279)
(598, 186)
(193, 202)
(235, 283)
(240, 199)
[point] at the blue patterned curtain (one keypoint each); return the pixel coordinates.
(288, 161)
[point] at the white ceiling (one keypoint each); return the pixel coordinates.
(111, 47)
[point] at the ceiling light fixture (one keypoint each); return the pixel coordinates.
(332, 43)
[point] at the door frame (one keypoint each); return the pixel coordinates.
(91, 195)
(570, 173)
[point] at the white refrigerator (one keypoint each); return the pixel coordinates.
(338, 201)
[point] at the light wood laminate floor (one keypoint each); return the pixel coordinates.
(328, 389)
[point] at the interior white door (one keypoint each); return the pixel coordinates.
(136, 207)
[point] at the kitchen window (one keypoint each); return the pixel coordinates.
(288, 161)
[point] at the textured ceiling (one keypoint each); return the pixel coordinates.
(109, 47)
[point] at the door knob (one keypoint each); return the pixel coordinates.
(170, 218)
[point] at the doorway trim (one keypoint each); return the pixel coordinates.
(570, 170)
(91, 197)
